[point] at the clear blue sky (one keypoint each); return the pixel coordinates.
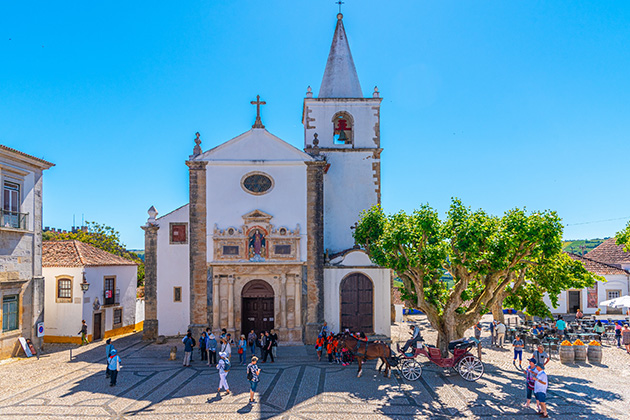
(502, 104)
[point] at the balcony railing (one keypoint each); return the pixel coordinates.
(111, 297)
(13, 219)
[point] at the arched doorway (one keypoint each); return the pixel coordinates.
(357, 303)
(257, 307)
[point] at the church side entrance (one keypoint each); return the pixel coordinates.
(357, 306)
(257, 307)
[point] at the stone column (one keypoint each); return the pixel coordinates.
(216, 303)
(298, 301)
(150, 331)
(315, 250)
(231, 302)
(283, 300)
(198, 247)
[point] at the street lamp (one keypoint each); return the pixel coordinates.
(84, 284)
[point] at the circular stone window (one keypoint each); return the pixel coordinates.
(257, 183)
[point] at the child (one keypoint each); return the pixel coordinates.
(114, 367)
(530, 375)
(319, 347)
(336, 350)
(518, 351)
(330, 347)
(345, 357)
(224, 367)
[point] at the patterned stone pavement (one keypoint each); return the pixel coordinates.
(295, 387)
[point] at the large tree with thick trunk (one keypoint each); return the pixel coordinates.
(514, 258)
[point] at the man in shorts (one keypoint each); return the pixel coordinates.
(540, 390)
(253, 371)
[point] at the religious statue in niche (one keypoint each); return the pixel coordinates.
(257, 245)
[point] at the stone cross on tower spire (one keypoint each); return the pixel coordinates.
(258, 103)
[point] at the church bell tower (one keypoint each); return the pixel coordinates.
(344, 127)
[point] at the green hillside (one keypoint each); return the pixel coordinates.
(581, 246)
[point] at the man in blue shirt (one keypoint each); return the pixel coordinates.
(114, 367)
(415, 337)
(561, 326)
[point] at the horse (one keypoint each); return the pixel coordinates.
(374, 350)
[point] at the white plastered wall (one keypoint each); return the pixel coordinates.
(613, 282)
(62, 318)
(358, 262)
(173, 270)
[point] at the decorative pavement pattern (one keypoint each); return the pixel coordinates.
(295, 387)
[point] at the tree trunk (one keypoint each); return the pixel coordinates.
(497, 311)
(447, 332)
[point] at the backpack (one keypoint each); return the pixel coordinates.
(250, 374)
(194, 343)
(226, 365)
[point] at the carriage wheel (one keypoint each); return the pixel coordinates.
(470, 368)
(411, 370)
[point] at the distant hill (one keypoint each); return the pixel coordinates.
(581, 246)
(140, 252)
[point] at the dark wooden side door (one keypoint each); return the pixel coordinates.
(357, 304)
(257, 307)
(574, 301)
(98, 334)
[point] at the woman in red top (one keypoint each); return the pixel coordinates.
(319, 346)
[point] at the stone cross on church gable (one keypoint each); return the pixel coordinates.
(258, 103)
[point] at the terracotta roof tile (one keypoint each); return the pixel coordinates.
(26, 155)
(608, 252)
(597, 267)
(78, 254)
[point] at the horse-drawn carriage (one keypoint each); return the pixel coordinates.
(463, 362)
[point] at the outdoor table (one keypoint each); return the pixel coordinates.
(548, 344)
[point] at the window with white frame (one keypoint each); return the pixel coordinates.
(64, 290)
(613, 294)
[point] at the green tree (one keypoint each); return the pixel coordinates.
(623, 238)
(514, 258)
(102, 237)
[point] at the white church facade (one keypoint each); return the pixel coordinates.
(266, 239)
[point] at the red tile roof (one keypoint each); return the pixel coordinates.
(608, 252)
(597, 267)
(12, 150)
(78, 254)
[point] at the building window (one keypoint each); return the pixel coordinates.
(282, 249)
(177, 294)
(613, 294)
(64, 290)
(10, 313)
(257, 183)
(342, 126)
(11, 201)
(110, 295)
(179, 233)
(230, 250)
(117, 316)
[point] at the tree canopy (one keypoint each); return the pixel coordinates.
(102, 237)
(514, 258)
(623, 238)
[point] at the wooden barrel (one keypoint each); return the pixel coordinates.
(595, 354)
(580, 353)
(567, 355)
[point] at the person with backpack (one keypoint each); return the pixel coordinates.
(251, 341)
(108, 351)
(188, 349)
(253, 372)
(203, 340)
(83, 332)
(212, 350)
(268, 346)
(114, 366)
(224, 368)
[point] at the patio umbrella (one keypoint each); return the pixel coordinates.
(620, 302)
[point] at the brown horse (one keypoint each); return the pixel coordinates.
(374, 350)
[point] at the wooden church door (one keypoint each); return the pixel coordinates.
(257, 307)
(357, 304)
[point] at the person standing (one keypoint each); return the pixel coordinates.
(540, 356)
(83, 332)
(518, 345)
(500, 330)
(617, 333)
(274, 347)
(108, 351)
(251, 342)
(625, 334)
(540, 390)
(203, 341)
(324, 331)
(268, 347)
(493, 335)
(477, 328)
(561, 326)
(263, 345)
(253, 372)
(599, 330)
(114, 367)
(188, 348)
(319, 346)
(530, 376)
(242, 350)
(226, 347)
(224, 367)
(212, 350)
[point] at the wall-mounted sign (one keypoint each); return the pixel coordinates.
(40, 329)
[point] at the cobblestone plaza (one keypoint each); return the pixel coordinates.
(296, 387)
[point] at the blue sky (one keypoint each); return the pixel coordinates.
(502, 104)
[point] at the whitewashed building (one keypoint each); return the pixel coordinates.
(83, 282)
(587, 300)
(265, 241)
